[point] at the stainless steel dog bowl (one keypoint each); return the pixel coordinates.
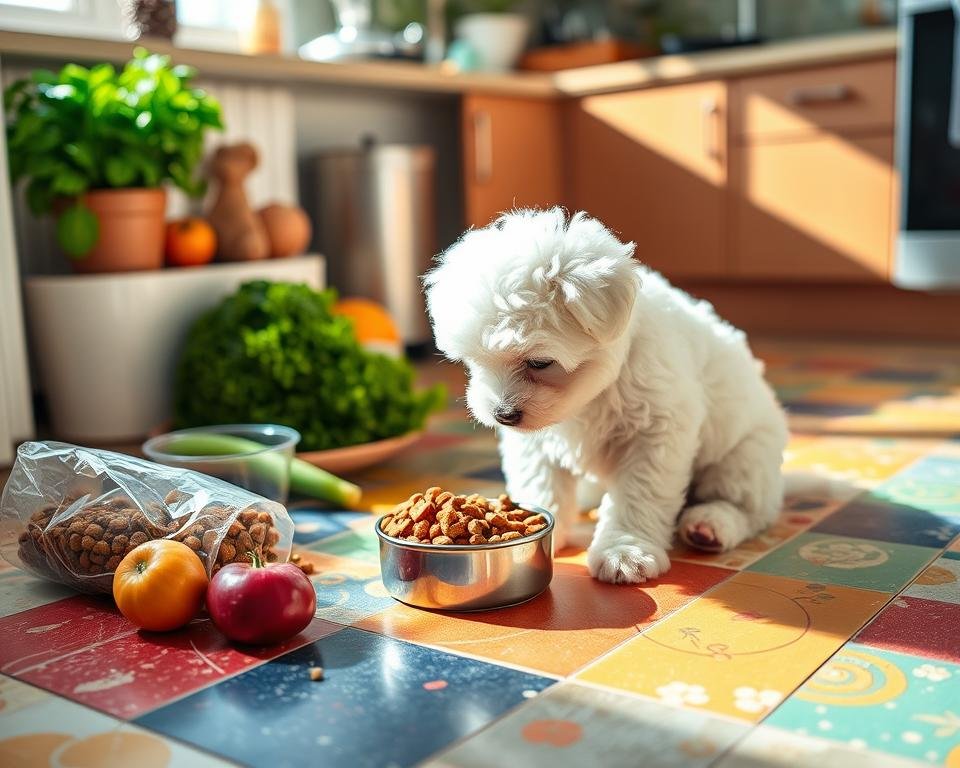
(468, 577)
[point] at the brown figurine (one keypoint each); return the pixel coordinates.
(274, 231)
(241, 235)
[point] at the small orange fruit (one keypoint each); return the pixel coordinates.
(372, 324)
(160, 585)
(190, 243)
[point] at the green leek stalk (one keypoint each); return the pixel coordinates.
(304, 478)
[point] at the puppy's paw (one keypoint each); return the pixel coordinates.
(714, 526)
(626, 559)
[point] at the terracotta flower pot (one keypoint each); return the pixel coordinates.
(131, 230)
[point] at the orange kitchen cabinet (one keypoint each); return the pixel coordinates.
(812, 176)
(511, 155)
(652, 164)
(816, 209)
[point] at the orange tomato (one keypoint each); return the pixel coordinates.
(190, 243)
(160, 585)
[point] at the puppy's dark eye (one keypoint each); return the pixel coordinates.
(539, 365)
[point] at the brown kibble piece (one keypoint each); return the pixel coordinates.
(93, 530)
(209, 540)
(424, 511)
(478, 539)
(258, 532)
(422, 529)
(193, 542)
(478, 527)
(496, 519)
(118, 524)
(510, 535)
(435, 531)
(227, 552)
(442, 540)
(451, 524)
(402, 528)
(535, 520)
(532, 529)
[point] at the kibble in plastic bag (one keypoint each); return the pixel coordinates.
(70, 514)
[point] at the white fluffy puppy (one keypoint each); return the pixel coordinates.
(592, 366)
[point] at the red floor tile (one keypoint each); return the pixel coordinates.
(921, 627)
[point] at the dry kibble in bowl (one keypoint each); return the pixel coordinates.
(441, 517)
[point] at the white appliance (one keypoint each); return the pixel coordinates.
(927, 253)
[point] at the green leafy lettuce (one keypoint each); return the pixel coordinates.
(274, 352)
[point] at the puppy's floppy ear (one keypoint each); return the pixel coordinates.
(599, 282)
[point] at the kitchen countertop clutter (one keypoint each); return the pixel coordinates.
(395, 75)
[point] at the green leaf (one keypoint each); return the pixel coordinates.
(49, 137)
(81, 155)
(184, 72)
(68, 183)
(39, 197)
(46, 166)
(25, 129)
(77, 230)
(39, 76)
(100, 74)
(11, 92)
(120, 171)
(75, 75)
(185, 101)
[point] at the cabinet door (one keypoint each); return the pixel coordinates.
(818, 208)
(652, 165)
(511, 155)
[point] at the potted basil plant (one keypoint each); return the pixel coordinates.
(95, 147)
(494, 32)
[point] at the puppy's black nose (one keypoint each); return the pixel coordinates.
(509, 417)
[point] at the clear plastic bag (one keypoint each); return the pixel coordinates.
(70, 514)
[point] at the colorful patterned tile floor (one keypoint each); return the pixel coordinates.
(832, 639)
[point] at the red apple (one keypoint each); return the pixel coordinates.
(260, 604)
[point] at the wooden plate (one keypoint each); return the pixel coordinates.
(356, 457)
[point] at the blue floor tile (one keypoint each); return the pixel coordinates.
(313, 524)
(370, 709)
(871, 516)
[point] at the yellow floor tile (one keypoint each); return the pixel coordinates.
(742, 647)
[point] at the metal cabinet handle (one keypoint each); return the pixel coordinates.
(482, 146)
(820, 94)
(710, 111)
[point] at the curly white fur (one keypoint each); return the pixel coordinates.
(645, 390)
